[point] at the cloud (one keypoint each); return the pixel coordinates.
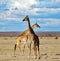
(57, 1)
(14, 8)
(46, 10)
(23, 7)
(3, 1)
(21, 4)
(48, 4)
(18, 7)
(49, 22)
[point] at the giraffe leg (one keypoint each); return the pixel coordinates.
(24, 48)
(35, 52)
(38, 52)
(29, 50)
(18, 45)
(15, 49)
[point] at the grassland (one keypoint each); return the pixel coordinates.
(49, 50)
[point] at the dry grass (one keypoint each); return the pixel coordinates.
(49, 50)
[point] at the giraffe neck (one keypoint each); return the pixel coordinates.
(30, 28)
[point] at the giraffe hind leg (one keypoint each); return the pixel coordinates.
(15, 49)
(38, 52)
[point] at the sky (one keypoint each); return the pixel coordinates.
(45, 12)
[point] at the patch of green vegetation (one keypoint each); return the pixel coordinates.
(5, 49)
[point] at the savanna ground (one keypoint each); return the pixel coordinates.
(49, 50)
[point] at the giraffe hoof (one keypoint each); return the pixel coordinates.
(28, 56)
(35, 57)
(14, 56)
(39, 58)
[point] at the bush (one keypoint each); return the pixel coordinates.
(56, 37)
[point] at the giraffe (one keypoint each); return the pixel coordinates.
(32, 38)
(23, 37)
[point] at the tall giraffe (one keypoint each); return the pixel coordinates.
(33, 38)
(23, 37)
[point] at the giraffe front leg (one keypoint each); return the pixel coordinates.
(24, 48)
(18, 45)
(29, 46)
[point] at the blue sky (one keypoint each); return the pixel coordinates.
(45, 12)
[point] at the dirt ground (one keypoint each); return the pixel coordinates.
(49, 50)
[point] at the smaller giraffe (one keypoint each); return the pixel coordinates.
(23, 37)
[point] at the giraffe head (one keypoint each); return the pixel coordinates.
(26, 18)
(36, 25)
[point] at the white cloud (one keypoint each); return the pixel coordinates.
(52, 3)
(49, 21)
(3, 1)
(57, 0)
(21, 4)
(46, 11)
(24, 8)
(7, 16)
